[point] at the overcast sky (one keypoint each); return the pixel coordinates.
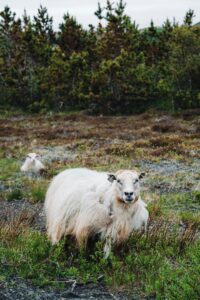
(142, 11)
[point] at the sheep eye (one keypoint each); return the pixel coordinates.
(136, 181)
(119, 181)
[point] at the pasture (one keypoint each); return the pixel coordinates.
(163, 264)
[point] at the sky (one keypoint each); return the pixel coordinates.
(142, 11)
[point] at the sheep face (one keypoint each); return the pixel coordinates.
(127, 185)
(32, 163)
(32, 157)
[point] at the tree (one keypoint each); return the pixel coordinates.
(71, 36)
(111, 68)
(43, 25)
(119, 33)
(188, 20)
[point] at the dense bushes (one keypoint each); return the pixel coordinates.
(115, 68)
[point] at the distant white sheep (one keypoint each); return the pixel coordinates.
(83, 203)
(32, 164)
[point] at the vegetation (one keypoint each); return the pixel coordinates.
(113, 68)
(164, 264)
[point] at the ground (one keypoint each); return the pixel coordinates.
(164, 264)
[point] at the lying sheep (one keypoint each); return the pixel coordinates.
(32, 164)
(83, 203)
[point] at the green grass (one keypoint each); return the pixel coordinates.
(9, 167)
(9, 112)
(152, 264)
(14, 195)
(35, 189)
(188, 201)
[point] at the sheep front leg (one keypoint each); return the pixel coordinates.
(107, 247)
(55, 233)
(145, 227)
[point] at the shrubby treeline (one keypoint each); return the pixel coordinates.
(112, 68)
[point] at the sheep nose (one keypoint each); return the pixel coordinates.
(128, 194)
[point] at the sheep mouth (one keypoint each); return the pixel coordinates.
(130, 199)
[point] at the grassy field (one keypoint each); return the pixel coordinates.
(165, 263)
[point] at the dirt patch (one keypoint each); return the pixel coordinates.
(58, 153)
(17, 289)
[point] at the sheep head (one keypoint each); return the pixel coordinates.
(127, 185)
(32, 156)
(32, 163)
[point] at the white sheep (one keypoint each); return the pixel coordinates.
(32, 163)
(82, 203)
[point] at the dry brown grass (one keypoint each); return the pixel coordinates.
(188, 235)
(102, 139)
(15, 226)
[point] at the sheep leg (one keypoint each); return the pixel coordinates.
(107, 247)
(56, 234)
(82, 236)
(145, 227)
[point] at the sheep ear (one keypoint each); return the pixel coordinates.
(111, 177)
(142, 175)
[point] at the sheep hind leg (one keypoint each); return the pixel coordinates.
(91, 243)
(82, 236)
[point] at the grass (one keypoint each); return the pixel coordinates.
(188, 201)
(35, 189)
(14, 195)
(9, 168)
(164, 264)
